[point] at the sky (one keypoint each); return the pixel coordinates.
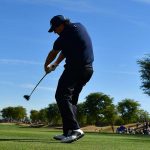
(120, 33)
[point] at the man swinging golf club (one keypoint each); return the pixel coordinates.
(75, 46)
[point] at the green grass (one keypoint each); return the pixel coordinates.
(13, 137)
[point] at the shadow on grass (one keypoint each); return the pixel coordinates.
(29, 140)
(116, 134)
(146, 141)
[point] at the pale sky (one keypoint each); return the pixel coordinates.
(120, 32)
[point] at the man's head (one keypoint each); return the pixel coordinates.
(57, 24)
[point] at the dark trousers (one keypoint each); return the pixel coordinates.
(69, 87)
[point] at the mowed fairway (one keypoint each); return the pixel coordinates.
(13, 137)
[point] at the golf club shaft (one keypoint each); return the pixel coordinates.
(38, 84)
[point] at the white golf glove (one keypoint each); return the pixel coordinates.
(52, 67)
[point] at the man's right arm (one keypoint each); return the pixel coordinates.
(51, 56)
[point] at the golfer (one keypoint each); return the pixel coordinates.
(74, 45)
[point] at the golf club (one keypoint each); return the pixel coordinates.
(27, 97)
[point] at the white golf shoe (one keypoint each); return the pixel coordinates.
(59, 137)
(62, 136)
(75, 135)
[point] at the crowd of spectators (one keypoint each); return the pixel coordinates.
(143, 128)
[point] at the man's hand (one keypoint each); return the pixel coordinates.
(51, 67)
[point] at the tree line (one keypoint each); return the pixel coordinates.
(97, 109)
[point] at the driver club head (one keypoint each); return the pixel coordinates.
(27, 97)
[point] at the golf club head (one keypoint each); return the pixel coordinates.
(27, 97)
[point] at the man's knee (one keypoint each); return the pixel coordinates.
(58, 96)
(62, 96)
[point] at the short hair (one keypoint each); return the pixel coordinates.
(67, 21)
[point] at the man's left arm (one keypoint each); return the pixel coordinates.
(60, 58)
(53, 66)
